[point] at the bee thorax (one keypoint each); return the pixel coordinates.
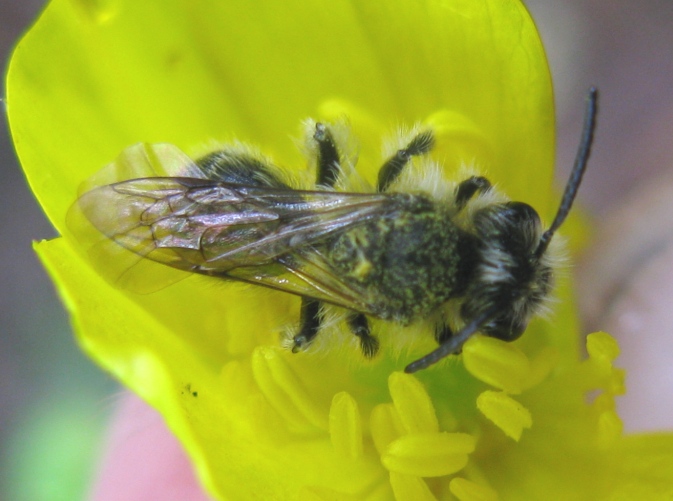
(408, 263)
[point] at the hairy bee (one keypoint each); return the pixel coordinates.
(396, 256)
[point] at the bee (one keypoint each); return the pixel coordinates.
(469, 258)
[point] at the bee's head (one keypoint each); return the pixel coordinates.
(512, 280)
(515, 275)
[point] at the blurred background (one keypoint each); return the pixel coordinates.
(54, 404)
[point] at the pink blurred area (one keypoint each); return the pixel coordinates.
(143, 461)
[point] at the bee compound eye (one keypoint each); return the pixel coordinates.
(506, 328)
(521, 212)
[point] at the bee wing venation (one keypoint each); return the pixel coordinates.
(300, 222)
(210, 227)
(307, 275)
(167, 214)
(106, 230)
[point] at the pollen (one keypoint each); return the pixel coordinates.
(362, 269)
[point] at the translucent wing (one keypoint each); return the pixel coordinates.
(266, 236)
(247, 233)
(308, 275)
(120, 267)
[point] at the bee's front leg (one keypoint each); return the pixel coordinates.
(470, 187)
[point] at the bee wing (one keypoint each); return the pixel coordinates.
(209, 227)
(144, 160)
(307, 275)
(125, 269)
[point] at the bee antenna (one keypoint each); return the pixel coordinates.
(453, 344)
(579, 167)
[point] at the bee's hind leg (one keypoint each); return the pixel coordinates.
(329, 168)
(329, 160)
(309, 324)
(311, 321)
(358, 324)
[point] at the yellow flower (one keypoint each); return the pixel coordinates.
(528, 420)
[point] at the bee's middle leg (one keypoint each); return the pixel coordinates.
(389, 171)
(360, 327)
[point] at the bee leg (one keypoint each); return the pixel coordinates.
(389, 171)
(329, 162)
(468, 188)
(329, 166)
(309, 324)
(442, 333)
(360, 327)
